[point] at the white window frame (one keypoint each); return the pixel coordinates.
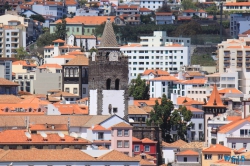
(146, 148)
(138, 148)
(119, 133)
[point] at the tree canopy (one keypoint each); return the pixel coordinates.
(61, 30)
(189, 29)
(38, 17)
(21, 53)
(188, 4)
(164, 8)
(139, 89)
(164, 116)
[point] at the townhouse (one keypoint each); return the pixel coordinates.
(151, 5)
(85, 42)
(190, 12)
(6, 68)
(239, 6)
(8, 87)
(145, 146)
(137, 116)
(157, 52)
(164, 18)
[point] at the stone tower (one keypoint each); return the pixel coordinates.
(108, 77)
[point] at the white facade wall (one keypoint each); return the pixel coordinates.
(157, 89)
(116, 99)
(93, 102)
(198, 122)
(53, 10)
(112, 121)
(72, 8)
(168, 154)
(164, 19)
(59, 61)
(190, 159)
(152, 5)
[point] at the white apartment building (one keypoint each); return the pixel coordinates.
(152, 5)
(127, 9)
(56, 9)
(157, 52)
(234, 59)
(237, 6)
(12, 36)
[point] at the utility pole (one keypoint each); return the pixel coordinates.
(221, 8)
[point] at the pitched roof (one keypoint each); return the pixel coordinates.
(65, 56)
(45, 66)
(147, 109)
(193, 109)
(122, 124)
(71, 109)
(135, 110)
(156, 72)
(150, 102)
(59, 41)
(85, 36)
(189, 11)
(193, 145)
(163, 14)
(147, 140)
(214, 99)
(146, 161)
(23, 63)
(188, 153)
(98, 128)
(217, 148)
(134, 139)
(229, 90)
(108, 36)
(246, 32)
(237, 4)
(87, 20)
(165, 78)
(228, 127)
(19, 137)
(79, 60)
(180, 100)
(66, 94)
(194, 81)
(9, 99)
(43, 127)
(44, 155)
(143, 9)
(193, 73)
(176, 144)
(116, 156)
(4, 82)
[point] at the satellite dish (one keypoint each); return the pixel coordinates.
(61, 135)
(43, 134)
(82, 135)
(28, 135)
(131, 120)
(73, 134)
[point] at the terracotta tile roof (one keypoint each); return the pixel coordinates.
(24, 63)
(148, 157)
(228, 127)
(59, 41)
(163, 14)
(193, 145)
(134, 139)
(70, 109)
(180, 100)
(64, 94)
(98, 128)
(69, 47)
(9, 99)
(18, 137)
(246, 32)
(65, 56)
(188, 153)
(4, 82)
(217, 148)
(70, 2)
(147, 140)
(165, 78)
(193, 102)
(122, 124)
(156, 72)
(214, 99)
(87, 20)
(44, 127)
(143, 9)
(150, 102)
(145, 162)
(174, 45)
(233, 118)
(102, 148)
(194, 81)
(119, 156)
(85, 37)
(34, 100)
(147, 109)
(165, 144)
(135, 110)
(131, 45)
(192, 73)
(127, 7)
(46, 66)
(234, 47)
(176, 144)
(237, 4)
(184, 18)
(76, 52)
(229, 90)
(79, 60)
(193, 109)
(189, 11)
(241, 150)
(44, 155)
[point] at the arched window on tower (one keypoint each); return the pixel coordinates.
(71, 72)
(108, 83)
(117, 81)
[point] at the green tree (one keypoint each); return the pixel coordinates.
(188, 4)
(38, 17)
(61, 30)
(189, 29)
(160, 116)
(212, 10)
(139, 89)
(21, 53)
(46, 39)
(181, 119)
(164, 8)
(82, 2)
(146, 19)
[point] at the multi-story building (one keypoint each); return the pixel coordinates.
(127, 9)
(191, 13)
(8, 87)
(12, 36)
(145, 145)
(234, 55)
(75, 76)
(85, 42)
(164, 18)
(157, 52)
(128, 19)
(238, 23)
(152, 5)
(53, 8)
(236, 6)
(6, 68)
(81, 25)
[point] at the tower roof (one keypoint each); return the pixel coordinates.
(215, 99)
(108, 36)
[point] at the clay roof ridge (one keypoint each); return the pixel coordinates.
(215, 99)
(108, 36)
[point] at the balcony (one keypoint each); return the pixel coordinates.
(226, 60)
(227, 55)
(239, 54)
(238, 136)
(239, 59)
(248, 67)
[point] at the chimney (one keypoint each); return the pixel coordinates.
(47, 97)
(52, 127)
(46, 125)
(61, 97)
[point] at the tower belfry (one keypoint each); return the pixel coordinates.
(108, 77)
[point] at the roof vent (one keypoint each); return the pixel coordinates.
(44, 135)
(61, 135)
(28, 135)
(73, 134)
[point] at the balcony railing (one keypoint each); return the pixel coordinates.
(237, 136)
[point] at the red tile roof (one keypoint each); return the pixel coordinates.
(215, 99)
(5, 82)
(165, 78)
(188, 153)
(87, 20)
(217, 148)
(45, 66)
(59, 41)
(23, 63)
(156, 72)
